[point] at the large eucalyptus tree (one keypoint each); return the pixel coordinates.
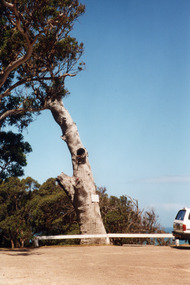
(38, 52)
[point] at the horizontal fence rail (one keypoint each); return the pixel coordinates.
(140, 235)
(107, 236)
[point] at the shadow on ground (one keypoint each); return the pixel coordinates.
(182, 247)
(19, 252)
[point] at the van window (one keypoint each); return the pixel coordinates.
(180, 215)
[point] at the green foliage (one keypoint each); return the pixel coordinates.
(43, 28)
(36, 17)
(14, 224)
(13, 152)
(122, 215)
(28, 208)
(51, 211)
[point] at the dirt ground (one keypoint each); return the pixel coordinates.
(96, 265)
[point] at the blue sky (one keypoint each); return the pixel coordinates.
(131, 104)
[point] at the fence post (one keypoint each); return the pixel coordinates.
(36, 242)
(107, 240)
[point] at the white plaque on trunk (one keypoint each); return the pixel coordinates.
(95, 198)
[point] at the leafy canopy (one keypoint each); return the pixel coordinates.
(28, 208)
(13, 151)
(38, 52)
(14, 217)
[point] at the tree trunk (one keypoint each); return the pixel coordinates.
(22, 243)
(80, 187)
(12, 244)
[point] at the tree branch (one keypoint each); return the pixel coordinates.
(18, 17)
(30, 43)
(18, 83)
(67, 183)
(7, 4)
(19, 111)
(13, 65)
(24, 80)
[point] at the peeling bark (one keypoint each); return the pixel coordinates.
(80, 187)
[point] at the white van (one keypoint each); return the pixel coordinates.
(181, 225)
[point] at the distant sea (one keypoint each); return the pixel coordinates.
(168, 230)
